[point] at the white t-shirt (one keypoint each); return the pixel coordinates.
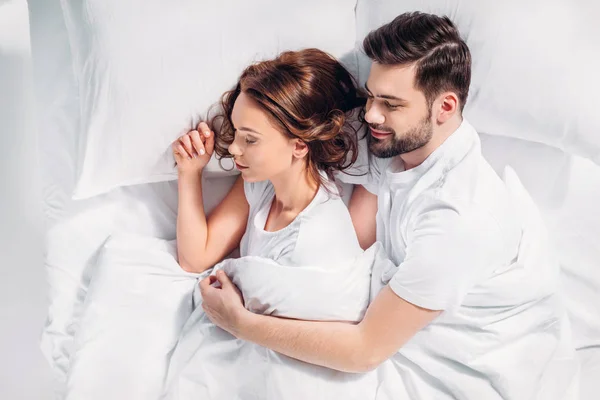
(321, 235)
(465, 244)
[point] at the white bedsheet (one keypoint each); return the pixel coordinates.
(136, 304)
(139, 299)
(210, 363)
(73, 242)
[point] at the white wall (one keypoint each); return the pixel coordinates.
(24, 373)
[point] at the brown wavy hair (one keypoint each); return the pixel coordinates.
(308, 95)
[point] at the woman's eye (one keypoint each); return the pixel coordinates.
(250, 141)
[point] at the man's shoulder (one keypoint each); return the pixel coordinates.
(451, 207)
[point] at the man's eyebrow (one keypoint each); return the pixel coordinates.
(386, 96)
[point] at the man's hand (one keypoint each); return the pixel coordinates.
(223, 305)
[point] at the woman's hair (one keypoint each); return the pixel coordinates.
(307, 94)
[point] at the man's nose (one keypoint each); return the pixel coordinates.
(374, 116)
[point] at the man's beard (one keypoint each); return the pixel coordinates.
(413, 139)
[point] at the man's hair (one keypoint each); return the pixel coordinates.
(433, 44)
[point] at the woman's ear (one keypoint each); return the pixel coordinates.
(300, 148)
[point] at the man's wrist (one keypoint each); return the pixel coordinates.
(244, 322)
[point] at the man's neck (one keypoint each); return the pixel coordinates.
(443, 132)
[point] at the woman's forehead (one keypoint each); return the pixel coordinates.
(248, 116)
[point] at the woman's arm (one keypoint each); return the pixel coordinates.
(202, 242)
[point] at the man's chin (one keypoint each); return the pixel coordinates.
(380, 151)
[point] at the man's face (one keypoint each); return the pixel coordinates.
(397, 113)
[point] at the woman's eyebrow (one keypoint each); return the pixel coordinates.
(243, 128)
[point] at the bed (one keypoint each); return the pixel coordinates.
(93, 195)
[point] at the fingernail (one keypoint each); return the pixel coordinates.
(201, 152)
(207, 133)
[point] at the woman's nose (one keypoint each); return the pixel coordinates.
(234, 149)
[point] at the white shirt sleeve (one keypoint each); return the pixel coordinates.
(449, 248)
(364, 171)
(376, 168)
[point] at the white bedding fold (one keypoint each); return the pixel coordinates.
(139, 321)
(209, 363)
(136, 304)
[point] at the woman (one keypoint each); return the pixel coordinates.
(284, 126)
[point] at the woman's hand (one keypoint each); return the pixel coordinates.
(193, 150)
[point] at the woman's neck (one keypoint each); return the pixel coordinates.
(294, 189)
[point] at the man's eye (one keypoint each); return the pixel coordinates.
(391, 106)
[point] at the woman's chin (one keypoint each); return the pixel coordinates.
(248, 177)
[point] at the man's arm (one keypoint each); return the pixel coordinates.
(388, 324)
(363, 209)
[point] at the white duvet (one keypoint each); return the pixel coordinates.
(209, 363)
(141, 315)
(137, 302)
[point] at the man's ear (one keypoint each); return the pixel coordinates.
(447, 106)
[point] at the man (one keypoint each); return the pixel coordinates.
(471, 310)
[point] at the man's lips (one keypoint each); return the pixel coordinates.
(379, 134)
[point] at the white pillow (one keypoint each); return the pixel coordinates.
(149, 69)
(535, 65)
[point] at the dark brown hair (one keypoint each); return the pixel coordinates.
(442, 58)
(307, 94)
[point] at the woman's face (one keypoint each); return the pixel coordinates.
(259, 150)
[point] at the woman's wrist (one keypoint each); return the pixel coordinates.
(187, 174)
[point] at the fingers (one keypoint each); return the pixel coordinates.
(223, 279)
(204, 129)
(186, 141)
(197, 142)
(209, 142)
(179, 149)
(205, 284)
(208, 138)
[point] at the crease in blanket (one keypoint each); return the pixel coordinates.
(209, 363)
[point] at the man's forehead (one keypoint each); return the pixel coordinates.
(391, 78)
